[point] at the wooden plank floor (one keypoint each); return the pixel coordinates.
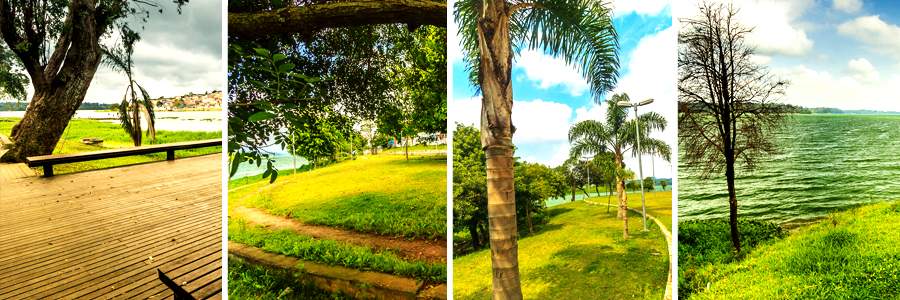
(102, 234)
(13, 172)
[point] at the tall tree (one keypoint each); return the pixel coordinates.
(618, 136)
(131, 109)
(727, 103)
(492, 31)
(58, 43)
(469, 185)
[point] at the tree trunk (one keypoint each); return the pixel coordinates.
(732, 202)
(623, 200)
(528, 216)
(308, 19)
(573, 193)
(135, 118)
(407, 148)
(60, 85)
(495, 74)
(609, 192)
(473, 231)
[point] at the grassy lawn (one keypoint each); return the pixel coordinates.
(418, 147)
(333, 253)
(379, 194)
(114, 137)
(579, 254)
(851, 255)
(659, 205)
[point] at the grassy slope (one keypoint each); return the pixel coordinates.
(852, 255)
(578, 255)
(418, 147)
(247, 282)
(382, 194)
(114, 137)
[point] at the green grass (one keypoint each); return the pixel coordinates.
(114, 137)
(851, 255)
(257, 179)
(381, 194)
(659, 205)
(419, 147)
(579, 254)
(334, 253)
(246, 282)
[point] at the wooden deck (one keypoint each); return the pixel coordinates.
(13, 172)
(103, 234)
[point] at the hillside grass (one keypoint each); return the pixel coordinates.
(249, 282)
(419, 147)
(114, 137)
(378, 194)
(851, 255)
(578, 254)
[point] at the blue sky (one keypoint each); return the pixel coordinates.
(836, 53)
(551, 96)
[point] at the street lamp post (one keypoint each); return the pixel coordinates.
(638, 133)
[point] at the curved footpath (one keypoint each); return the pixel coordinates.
(665, 231)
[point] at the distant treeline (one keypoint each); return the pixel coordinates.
(835, 111)
(20, 106)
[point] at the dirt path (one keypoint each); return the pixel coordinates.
(429, 251)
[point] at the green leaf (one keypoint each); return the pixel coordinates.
(285, 67)
(262, 116)
(274, 175)
(238, 157)
(279, 57)
(263, 52)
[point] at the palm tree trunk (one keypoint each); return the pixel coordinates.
(135, 118)
(495, 69)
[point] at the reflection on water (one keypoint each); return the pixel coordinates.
(165, 120)
(827, 163)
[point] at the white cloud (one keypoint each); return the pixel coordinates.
(775, 32)
(859, 66)
(454, 50)
(761, 59)
(848, 6)
(822, 57)
(646, 7)
(652, 67)
(880, 36)
(558, 157)
(550, 71)
(812, 88)
(536, 121)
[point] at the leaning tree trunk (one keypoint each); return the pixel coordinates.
(59, 85)
(495, 74)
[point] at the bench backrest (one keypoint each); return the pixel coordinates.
(46, 160)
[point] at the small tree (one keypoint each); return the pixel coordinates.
(663, 183)
(132, 108)
(649, 184)
(368, 130)
(727, 108)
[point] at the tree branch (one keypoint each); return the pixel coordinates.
(306, 20)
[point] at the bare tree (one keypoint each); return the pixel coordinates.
(727, 103)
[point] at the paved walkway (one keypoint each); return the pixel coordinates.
(666, 233)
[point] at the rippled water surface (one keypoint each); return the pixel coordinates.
(827, 163)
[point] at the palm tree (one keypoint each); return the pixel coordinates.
(618, 136)
(130, 110)
(492, 32)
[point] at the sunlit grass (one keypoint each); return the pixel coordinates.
(851, 255)
(114, 137)
(579, 254)
(248, 282)
(379, 194)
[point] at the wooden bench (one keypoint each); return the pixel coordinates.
(47, 161)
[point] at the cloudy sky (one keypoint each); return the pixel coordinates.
(551, 96)
(837, 53)
(177, 54)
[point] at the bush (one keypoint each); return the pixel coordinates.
(703, 242)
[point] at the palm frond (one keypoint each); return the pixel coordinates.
(124, 120)
(579, 31)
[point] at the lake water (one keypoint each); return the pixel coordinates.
(281, 159)
(554, 201)
(827, 163)
(165, 120)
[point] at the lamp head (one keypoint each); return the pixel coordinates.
(623, 104)
(646, 101)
